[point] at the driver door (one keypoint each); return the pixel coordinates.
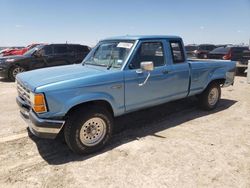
(155, 90)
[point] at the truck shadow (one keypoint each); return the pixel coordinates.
(132, 127)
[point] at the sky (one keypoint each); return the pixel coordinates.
(88, 21)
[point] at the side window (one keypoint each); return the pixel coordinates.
(70, 49)
(177, 52)
(80, 49)
(148, 51)
(47, 50)
(60, 49)
(210, 48)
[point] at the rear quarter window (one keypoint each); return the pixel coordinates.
(177, 52)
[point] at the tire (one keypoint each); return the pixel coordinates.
(209, 99)
(88, 130)
(14, 70)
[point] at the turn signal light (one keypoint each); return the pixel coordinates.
(39, 109)
(38, 103)
(39, 99)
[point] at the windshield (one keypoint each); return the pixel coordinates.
(32, 50)
(221, 50)
(110, 54)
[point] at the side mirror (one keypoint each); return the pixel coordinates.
(146, 66)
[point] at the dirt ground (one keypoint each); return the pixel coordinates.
(172, 145)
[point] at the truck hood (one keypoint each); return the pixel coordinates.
(41, 77)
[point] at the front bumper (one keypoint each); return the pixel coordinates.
(43, 128)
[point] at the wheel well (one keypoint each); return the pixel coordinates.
(101, 103)
(220, 81)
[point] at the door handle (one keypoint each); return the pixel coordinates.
(166, 71)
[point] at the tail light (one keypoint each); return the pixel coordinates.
(228, 56)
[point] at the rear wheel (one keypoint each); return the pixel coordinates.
(210, 97)
(87, 131)
(14, 71)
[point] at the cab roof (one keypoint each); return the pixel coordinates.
(143, 37)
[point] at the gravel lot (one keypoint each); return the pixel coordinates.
(173, 145)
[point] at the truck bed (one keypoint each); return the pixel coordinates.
(202, 71)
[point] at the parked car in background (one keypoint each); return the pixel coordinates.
(6, 49)
(120, 75)
(234, 53)
(190, 50)
(18, 51)
(203, 50)
(244, 62)
(44, 55)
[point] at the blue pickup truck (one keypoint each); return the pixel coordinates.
(120, 75)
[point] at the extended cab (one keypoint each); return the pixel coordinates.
(120, 75)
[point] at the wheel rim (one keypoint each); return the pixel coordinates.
(93, 131)
(16, 71)
(213, 96)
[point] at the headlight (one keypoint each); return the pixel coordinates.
(10, 60)
(38, 102)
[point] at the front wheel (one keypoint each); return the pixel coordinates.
(210, 97)
(89, 130)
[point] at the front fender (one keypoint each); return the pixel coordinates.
(61, 101)
(88, 98)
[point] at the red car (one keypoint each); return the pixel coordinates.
(15, 51)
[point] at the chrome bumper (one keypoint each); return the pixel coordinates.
(43, 128)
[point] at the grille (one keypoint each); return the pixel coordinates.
(23, 93)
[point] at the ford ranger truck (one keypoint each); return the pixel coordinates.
(120, 75)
